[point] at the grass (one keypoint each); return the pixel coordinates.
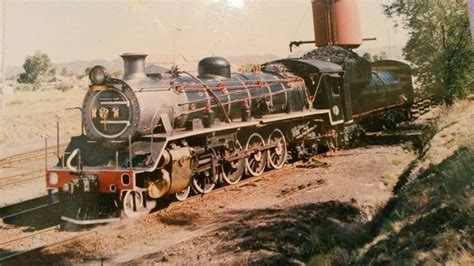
(64, 86)
(430, 220)
(15, 102)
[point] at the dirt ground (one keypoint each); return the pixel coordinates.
(271, 220)
(30, 116)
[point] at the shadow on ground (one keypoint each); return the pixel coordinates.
(34, 214)
(284, 236)
(430, 220)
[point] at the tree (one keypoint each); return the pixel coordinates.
(37, 67)
(87, 70)
(383, 55)
(440, 45)
(367, 56)
(376, 57)
(64, 72)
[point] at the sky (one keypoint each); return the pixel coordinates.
(69, 30)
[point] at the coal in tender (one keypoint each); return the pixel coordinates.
(358, 68)
(334, 54)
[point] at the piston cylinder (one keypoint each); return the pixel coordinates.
(165, 183)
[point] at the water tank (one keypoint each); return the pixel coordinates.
(336, 22)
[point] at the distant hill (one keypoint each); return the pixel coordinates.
(77, 67)
(165, 61)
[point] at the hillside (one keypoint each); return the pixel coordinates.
(430, 218)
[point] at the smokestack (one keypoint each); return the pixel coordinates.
(134, 66)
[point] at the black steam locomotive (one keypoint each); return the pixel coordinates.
(145, 138)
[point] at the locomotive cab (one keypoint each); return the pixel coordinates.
(324, 81)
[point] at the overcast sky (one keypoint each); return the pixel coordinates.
(84, 30)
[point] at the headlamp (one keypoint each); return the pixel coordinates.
(98, 75)
(53, 178)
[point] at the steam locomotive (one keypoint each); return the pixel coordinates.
(145, 138)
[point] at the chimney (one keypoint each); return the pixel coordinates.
(134, 66)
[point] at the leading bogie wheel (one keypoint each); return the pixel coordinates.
(277, 154)
(257, 160)
(133, 204)
(183, 194)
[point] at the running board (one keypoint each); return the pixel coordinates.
(86, 222)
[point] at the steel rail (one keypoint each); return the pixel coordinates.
(62, 241)
(246, 181)
(8, 216)
(25, 156)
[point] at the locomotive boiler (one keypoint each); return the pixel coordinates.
(146, 138)
(118, 110)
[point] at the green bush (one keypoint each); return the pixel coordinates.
(24, 87)
(37, 68)
(64, 86)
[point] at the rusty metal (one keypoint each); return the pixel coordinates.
(177, 179)
(164, 160)
(336, 23)
(180, 169)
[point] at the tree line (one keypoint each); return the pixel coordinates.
(440, 44)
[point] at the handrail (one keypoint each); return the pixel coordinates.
(226, 115)
(69, 159)
(317, 87)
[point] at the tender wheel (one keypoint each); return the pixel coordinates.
(203, 183)
(256, 161)
(277, 155)
(183, 194)
(232, 171)
(132, 204)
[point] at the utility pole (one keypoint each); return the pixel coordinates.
(3, 53)
(470, 10)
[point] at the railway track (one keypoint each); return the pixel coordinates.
(36, 237)
(71, 236)
(21, 178)
(23, 211)
(423, 106)
(25, 157)
(36, 171)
